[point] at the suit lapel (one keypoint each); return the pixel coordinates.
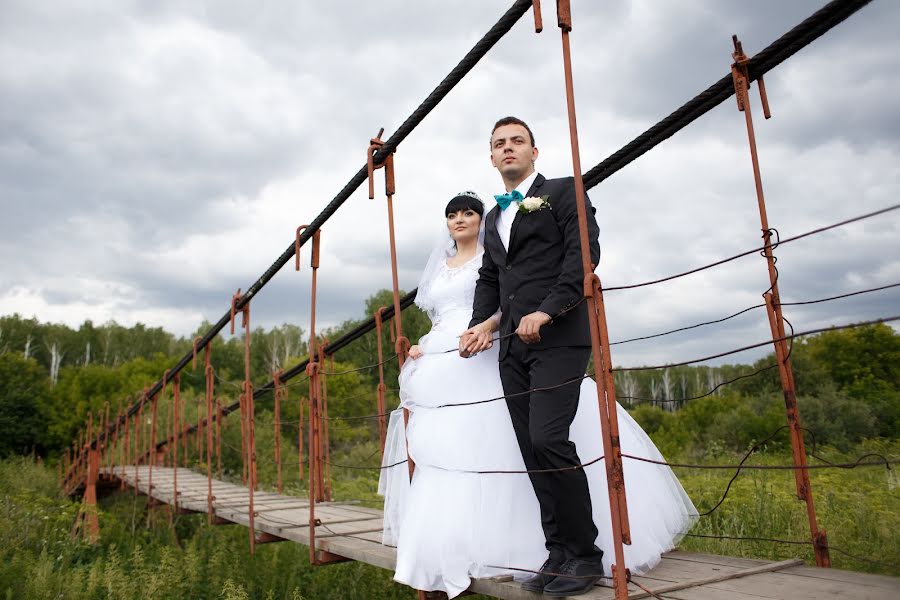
(532, 191)
(490, 231)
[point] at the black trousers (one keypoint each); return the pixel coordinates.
(541, 421)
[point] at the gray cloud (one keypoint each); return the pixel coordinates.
(154, 157)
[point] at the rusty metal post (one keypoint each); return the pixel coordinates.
(152, 445)
(741, 77)
(210, 382)
(316, 481)
(90, 497)
(220, 414)
(241, 400)
(138, 447)
(200, 420)
(401, 346)
(324, 426)
(382, 421)
(176, 401)
(599, 336)
(276, 381)
(312, 372)
(103, 434)
(126, 449)
(300, 438)
(247, 417)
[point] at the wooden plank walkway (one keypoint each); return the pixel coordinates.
(680, 575)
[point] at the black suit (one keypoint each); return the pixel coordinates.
(542, 271)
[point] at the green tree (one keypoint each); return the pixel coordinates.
(23, 385)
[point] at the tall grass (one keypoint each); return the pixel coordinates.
(185, 558)
(859, 509)
(40, 559)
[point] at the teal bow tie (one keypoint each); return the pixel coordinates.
(505, 200)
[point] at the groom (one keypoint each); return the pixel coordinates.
(532, 272)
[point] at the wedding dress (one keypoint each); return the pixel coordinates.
(451, 524)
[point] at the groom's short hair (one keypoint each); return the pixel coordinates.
(513, 121)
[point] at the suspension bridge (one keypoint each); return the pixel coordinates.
(141, 450)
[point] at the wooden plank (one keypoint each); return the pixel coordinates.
(354, 531)
(721, 577)
(781, 585)
(853, 577)
(685, 570)
(714, 559)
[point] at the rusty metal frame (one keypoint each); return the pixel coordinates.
(772, 298)
(380, 400)
(248, 432)
(593, 293)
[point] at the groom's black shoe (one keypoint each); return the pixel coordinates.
(541, 579)
(575, 577)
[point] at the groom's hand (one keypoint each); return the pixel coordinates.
(529, 329)
(476, 339)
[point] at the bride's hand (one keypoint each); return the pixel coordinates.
(476, 339)
(415, 352)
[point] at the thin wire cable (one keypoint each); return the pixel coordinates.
(358, 369)
(760, 344)
(712, 322)
(754, 251)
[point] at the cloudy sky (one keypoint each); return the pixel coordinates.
(156, 156)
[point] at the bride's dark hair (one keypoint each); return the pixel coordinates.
(465, 201)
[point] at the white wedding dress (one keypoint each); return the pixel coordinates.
(449, 524)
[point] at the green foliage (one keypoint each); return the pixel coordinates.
(848, 385)
(859, 509)
(39, 558)
(364, 351)
(23, 388)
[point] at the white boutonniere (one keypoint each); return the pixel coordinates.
(534, 203)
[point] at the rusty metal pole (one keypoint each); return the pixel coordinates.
(126, 449)
(90, 496)
(138, 446)
(300, 438)
(235, 298)
(200, 420)
(210, 382)
(312, 372)
(220, 414)
(599, 336)
(382, 421)
(152, 445)
(176, 400)
(316, 473)
(401, 346)
(741, 78)
(247, 417)
(276, 380)
(324, 426)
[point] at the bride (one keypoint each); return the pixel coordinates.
(470, 510)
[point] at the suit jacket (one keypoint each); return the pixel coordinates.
(542, 269)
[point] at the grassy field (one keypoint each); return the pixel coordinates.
(39, 559)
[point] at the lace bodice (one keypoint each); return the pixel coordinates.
(454, 292)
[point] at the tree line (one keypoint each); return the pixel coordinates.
(52, 376)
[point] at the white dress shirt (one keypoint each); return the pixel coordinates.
(508, 214)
